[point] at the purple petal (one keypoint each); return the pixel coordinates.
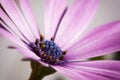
(100, 70)
(75, 21)
(17, 17)
(27, 11)
(27, 53)
(69, 73)
(91, 76)
(12, 38)
(112, 65)
(1, 26)
(111, 75)
(10, 25)
(87, 75)
(21, 47)
(103, 40)
(53, 11)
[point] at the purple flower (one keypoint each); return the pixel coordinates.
(64, 47)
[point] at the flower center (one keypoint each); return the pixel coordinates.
(48, 51)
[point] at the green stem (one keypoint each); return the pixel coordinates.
(98, 58)
(117, 56)
(39, 71)
(35, 76)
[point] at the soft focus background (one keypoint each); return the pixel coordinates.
(11, 66)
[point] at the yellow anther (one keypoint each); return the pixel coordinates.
(50, 57)
(44, 55)
(43, 46)
(41, 37)
(64, 52)
(52, 38)
(41, 43)
(37, 40)
(62, 57)
(57, 60)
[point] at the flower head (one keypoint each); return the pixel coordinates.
(64, 47)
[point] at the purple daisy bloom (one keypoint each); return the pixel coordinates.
(64, 48)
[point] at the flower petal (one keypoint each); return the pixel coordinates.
(27, 53)
(106, 68)
(91, 76)
(21, 47)
(27, 11)
(75, 21)
(111, 75)
(112, 65)
(17, 17)
(9, 25)
(10, 37)
(103, 40)
(53, 12)
(71, 74)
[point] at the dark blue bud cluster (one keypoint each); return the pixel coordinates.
(48, 51)
(52, 49)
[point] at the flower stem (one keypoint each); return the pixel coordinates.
(39, 71)
(98, 58)
(117, 56)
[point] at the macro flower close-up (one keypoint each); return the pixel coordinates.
(63, 47)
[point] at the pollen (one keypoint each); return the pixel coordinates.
(50, 57)
(48, 51)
